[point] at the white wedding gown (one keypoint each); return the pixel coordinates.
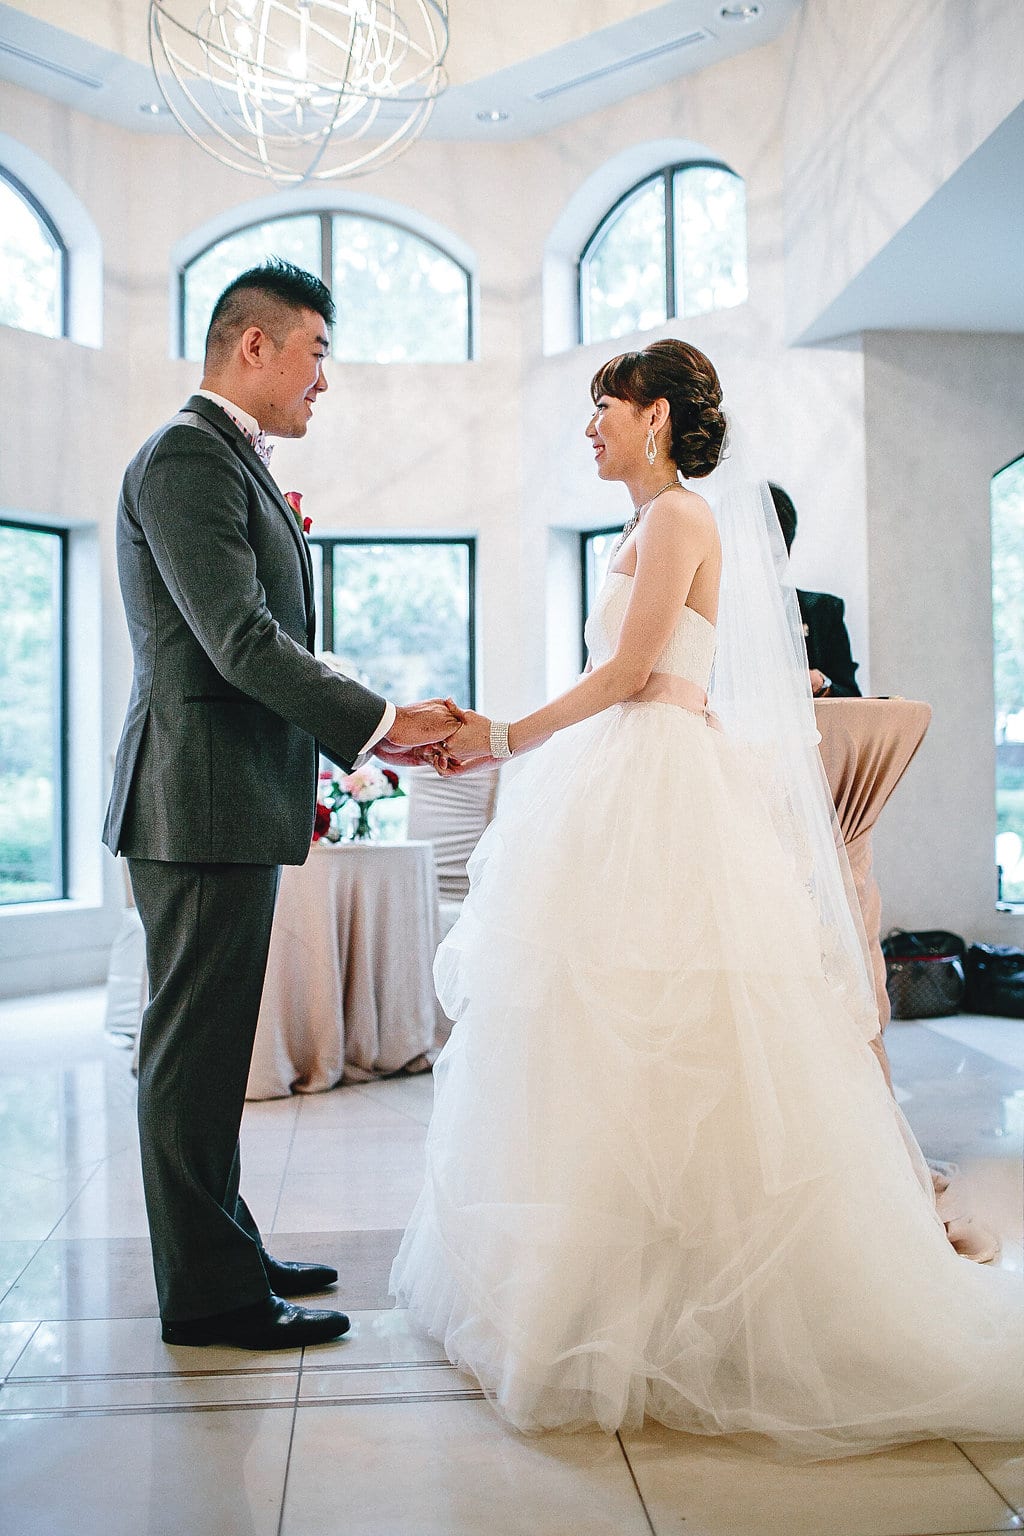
(664, 1173)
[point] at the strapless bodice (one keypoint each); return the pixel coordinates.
(690, 651)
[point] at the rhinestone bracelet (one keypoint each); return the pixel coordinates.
(499, 739)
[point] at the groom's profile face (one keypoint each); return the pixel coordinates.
(294, 376)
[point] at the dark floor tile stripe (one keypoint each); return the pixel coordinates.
(1017, 1509)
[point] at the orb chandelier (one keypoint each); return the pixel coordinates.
(300, 90)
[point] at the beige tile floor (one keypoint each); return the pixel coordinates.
(104, 1429)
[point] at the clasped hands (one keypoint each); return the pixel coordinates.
(438, 732)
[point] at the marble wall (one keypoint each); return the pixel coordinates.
(882, 104)
(495, 447)
(943, 413)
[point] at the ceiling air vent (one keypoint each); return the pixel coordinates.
(690, 40)
(55, 69)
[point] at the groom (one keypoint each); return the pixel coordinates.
(215, 784)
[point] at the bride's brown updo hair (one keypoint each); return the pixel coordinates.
(673, 371)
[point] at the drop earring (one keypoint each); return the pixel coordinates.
(651, 447)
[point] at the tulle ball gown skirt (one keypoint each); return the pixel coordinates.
(664, 1174)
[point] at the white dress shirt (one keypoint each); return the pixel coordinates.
(251, 427)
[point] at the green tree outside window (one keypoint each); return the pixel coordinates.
(675, 246)
(30, 714)
(31, 267)
(293, 239)
(399, 297)
(401, 616)
(623, 277)
(710, 239)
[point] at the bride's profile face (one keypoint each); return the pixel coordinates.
(617, 432)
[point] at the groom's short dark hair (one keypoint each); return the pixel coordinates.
(268, 296)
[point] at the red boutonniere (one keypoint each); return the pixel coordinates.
(322, 822)
(294, 500)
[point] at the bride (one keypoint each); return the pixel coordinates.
(665, 1175)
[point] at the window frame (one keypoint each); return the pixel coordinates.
(586, 534)
(59, 862)
(59, 244)
(1003, 903)
(328, 542)
(326, 216)
(667, 176)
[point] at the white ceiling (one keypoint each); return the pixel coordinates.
(543, 62)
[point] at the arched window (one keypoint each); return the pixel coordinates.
(400, 298)
(1008, 656)
(33, 263)
(673, 246)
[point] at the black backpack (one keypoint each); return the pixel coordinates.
(995, 980)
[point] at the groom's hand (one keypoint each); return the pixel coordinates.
(417, 725)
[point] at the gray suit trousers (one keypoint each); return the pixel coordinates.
(207, 937)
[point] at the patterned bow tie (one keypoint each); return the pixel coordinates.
(261, 447)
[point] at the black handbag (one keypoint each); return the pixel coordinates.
(924, 973)
(995, 980)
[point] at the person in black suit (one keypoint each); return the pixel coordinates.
(832, 665)
(215, 786)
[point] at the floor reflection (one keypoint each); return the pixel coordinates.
(104, 1429)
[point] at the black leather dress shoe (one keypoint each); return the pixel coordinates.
(297, 1279)
(270, 1324)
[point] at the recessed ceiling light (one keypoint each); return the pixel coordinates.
(494, 116)
(152, 108)
(740, 12)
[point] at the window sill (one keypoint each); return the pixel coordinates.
(61, 906)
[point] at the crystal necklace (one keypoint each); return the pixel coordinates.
(631, 522)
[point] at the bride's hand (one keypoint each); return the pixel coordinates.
(404, 757)
(470, 744)
(447, 768)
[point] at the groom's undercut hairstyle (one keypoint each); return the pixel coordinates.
(270, 296)
(785, 512)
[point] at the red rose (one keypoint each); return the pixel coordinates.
(392, 777)
(321, 822)
(294, 500)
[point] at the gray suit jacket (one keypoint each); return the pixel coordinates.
(218, 757)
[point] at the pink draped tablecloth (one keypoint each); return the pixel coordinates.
(349, 993)
(866, 747)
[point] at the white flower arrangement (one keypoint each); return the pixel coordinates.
(363, 788)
